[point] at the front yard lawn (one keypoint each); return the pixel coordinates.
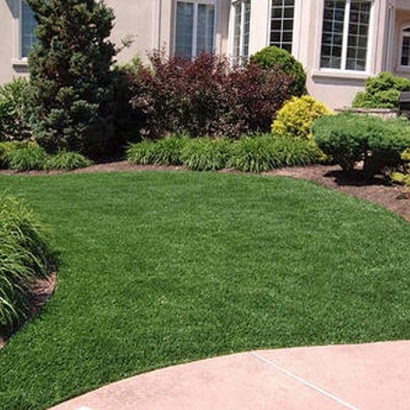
(163, 268)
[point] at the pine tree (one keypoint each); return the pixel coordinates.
(70, 74)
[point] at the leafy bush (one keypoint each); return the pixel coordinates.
(14, 111)
(66, 160)
(382, 91)
(24, 256)
(297, 115)
(205, 97)
(273, 57)
(25, 157)
(206, 154)
(70, 74)
(266, 152)
(349, 138)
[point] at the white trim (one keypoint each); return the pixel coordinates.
(297, 20)
(242, 56)
(401, 67)
(346, 23)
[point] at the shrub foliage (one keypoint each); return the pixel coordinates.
(70, 74)
(205, 97)
(14, 110)
(349, 138)
(296, 116)
(382, 91)
(273, 57)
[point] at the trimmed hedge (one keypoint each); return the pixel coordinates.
(349, 138)
(275, 58)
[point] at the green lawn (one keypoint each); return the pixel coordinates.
(163, 268)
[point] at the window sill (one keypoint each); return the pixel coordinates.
(403, 69)
(340, 74)
(19, 62)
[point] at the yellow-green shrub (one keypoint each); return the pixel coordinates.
(297, 115)
(403, 177)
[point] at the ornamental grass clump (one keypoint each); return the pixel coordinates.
(24, 257)
(206, 154)
(141, 153)
(66, 160)
(262, 153)
(26, 156)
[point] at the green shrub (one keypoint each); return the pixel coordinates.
(24, 256)
(382, 91)
(14, 112)
(206, 154)
(71, 76)
(274, 57)
(141, 153)
(66, 160)
(349, 138)
(297, 115)
(266, 152)
(25, 157)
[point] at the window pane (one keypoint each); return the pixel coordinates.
(359, 21)
(405, 51)
(28, 25)
(242, 10)
(246, 29)
(282, 23)
(237, 30)
(184, 29)
(205, 28)
(332, 34)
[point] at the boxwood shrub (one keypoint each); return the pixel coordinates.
(349, 138)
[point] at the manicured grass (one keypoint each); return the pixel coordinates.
(163, 268)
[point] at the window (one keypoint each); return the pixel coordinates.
(405, 47)
(241, 30)
(345, 34)
(27, 27)
(194, 27)
(282, 22)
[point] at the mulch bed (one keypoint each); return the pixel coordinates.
(379, 191)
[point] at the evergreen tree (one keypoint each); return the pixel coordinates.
(70, 73)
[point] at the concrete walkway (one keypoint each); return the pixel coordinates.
(372, 376)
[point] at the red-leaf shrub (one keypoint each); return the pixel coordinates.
(205, 96)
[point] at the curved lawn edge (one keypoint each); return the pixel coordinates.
(221, 263)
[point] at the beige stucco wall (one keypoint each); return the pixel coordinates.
(150, 23)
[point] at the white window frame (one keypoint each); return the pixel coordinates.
(19, 59)
(403, 34)
(242, 57)
(296, 26)
(369, 53)
(196, 3)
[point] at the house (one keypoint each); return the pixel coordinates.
(339, 42)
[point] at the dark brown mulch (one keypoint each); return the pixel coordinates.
(379, 191)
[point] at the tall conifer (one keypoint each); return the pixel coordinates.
(70, 72)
